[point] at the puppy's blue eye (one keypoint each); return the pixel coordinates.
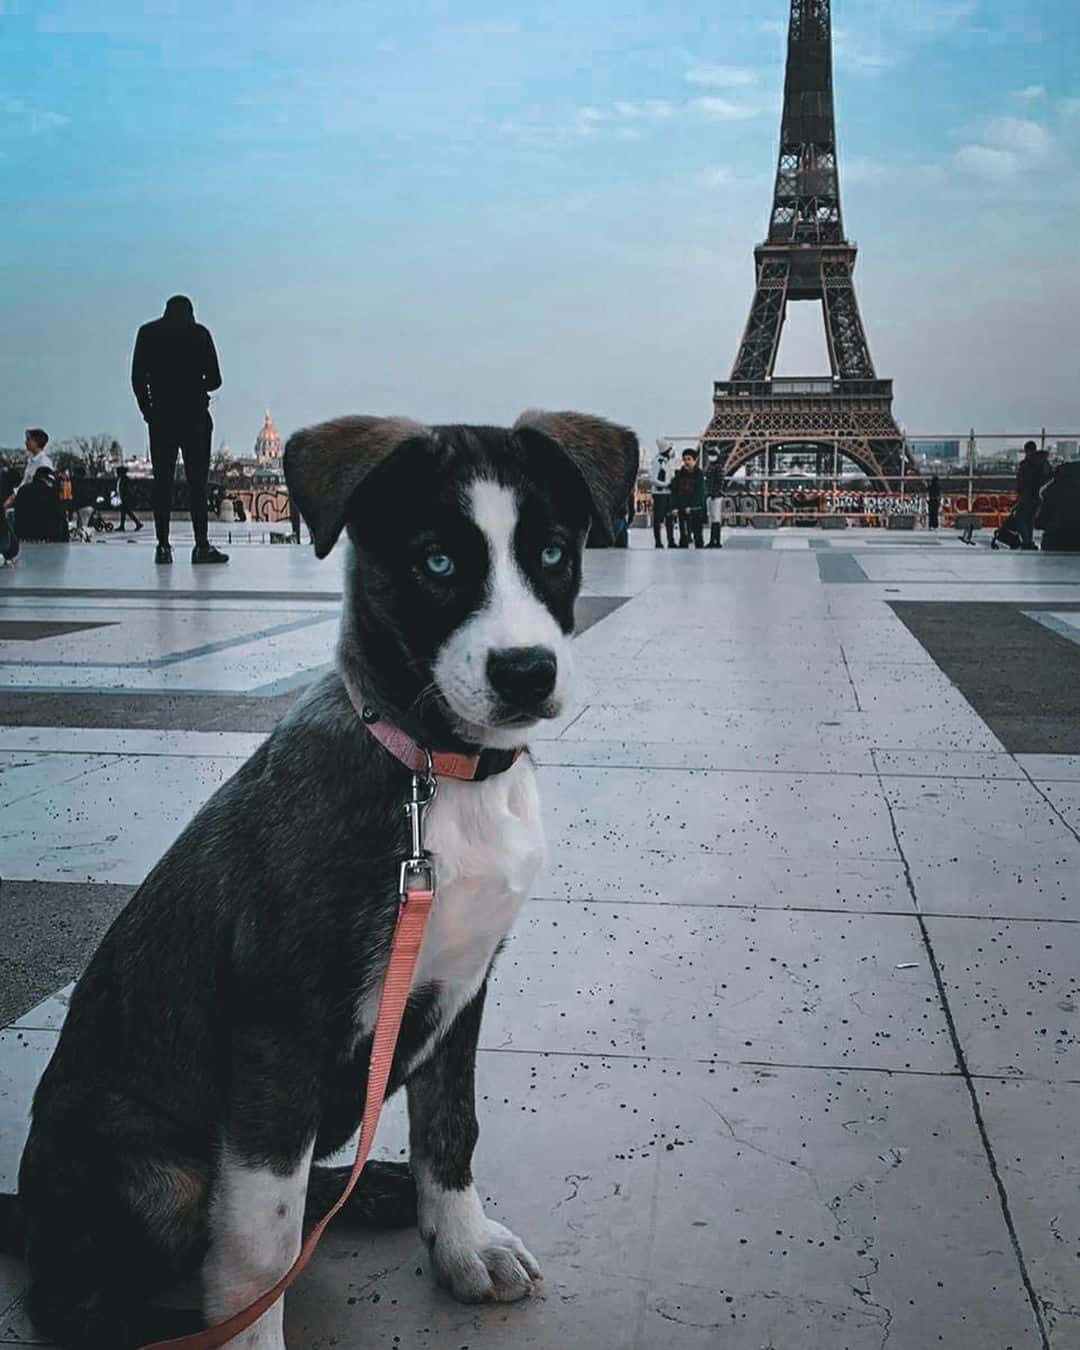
(553, 555)
(439, 565)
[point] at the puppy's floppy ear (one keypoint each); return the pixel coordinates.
(325, 464)
(605, 454)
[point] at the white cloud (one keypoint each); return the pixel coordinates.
(622, 120)
(715, 176)
(860, 169)
(988, 161)
(862, 53)
(1007, 146)
(1031, 93)
(19, 118)
(1027, 138)
(722, 77)
(725, 109)
(930, 17)
(648, 109)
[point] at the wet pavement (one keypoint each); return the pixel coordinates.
(783, 1055)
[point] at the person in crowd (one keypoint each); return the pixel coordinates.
(1058, 513)
(660, 482)
(714, 486)
(174, 370)
(688, 499)
(933, 502)
(39, 514)
(82, 499)
(1030, 477)
(9, 540)
(67, 496)
(124, 493)
(37, 457)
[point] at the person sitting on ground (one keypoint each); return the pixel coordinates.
(39, 513)
(1058, 514)
(689, 500)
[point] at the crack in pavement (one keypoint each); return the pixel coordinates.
(961, 1059)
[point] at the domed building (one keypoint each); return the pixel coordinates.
(268, 445)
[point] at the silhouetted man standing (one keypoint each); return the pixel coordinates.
(173, 372)
(1033, 472)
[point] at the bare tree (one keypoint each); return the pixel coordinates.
(100, 454)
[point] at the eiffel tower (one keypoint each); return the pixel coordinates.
(807, 257)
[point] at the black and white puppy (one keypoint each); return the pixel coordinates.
(218, 1042)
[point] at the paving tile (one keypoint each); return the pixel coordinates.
(138, 636)
(23, 1057)
(739, 754)
(730, 1208)
(947, 764)
(49, 1014)
(1051, 768)
(985, 848)
(115, 823)
(693, 878)
(767, 731)
(128, 741)
(738, 985)
(1066, 798)
(24, 773)
(1032, 1128)
(768, 814)
(1014, 991)
(718, 687)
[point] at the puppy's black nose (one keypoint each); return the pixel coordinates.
(522, 676)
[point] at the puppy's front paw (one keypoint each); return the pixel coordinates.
(488, 1262)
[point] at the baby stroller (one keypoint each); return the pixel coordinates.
(98, 520)
(1007, 534)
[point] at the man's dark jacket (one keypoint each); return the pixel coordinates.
(688, 490)
(175, 367)
(1031, 475)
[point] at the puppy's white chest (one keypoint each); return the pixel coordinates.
(488, 844)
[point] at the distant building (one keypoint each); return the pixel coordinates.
(1067, 450)
(268, 444)
(942, 452)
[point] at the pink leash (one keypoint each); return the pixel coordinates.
(416, 902)
(408, 935)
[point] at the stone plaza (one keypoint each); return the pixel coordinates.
(783, 1055)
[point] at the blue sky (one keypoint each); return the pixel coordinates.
(455, 211)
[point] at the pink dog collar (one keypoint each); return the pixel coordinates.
(443, 764)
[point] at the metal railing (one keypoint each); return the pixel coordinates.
(973, 464)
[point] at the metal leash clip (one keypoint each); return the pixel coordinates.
(418, 869)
